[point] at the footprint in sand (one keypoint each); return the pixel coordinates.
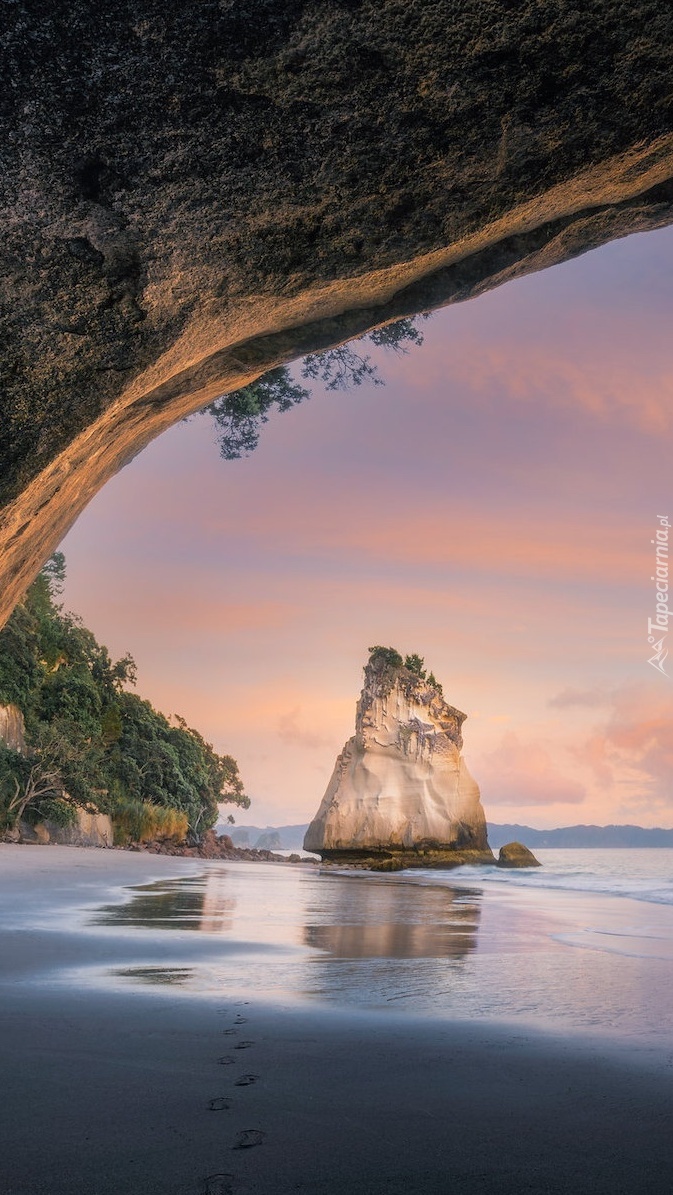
(219, 1104)
(246, 1080)
(229, 1032)
(249, 1137)
(219, 1184)
(244, 1045)
(240, 1020)
(226, 1060)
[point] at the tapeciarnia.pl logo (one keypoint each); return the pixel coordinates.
(657, 627)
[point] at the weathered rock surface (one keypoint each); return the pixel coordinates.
(12, 728)
(401, 794)
(515, 854)
(91, 829)
(192, 194)
(37, 835)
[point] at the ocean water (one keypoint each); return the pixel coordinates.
(582, 944)
(639, 874)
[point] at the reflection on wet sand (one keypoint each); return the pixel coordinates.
(201, 903)
(152, 975)
(358, 940)
(359, 919)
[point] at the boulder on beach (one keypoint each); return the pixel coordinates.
(515, 854)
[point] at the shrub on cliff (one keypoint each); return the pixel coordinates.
(415, 663)
(384, 657)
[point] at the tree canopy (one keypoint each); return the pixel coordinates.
(90, 741)
(387, 659)
(239, 416)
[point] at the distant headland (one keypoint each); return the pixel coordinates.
(291, 837)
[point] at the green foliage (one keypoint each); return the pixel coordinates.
(415, 664)
(53, 573)
(92, 743)
(13, 773)
(60, 812)
(343, 367)
(384, 657)
(239, 415)
(111, 725)
(140, 821)
(398, 335)
(432, 680)
(20, 668)
(156, 762)
(340, 368)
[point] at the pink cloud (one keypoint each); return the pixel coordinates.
(292, 729)
(633, 748)
(587, 698)
(519, 773)
(609, 364)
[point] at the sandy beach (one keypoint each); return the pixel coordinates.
(139, 1056)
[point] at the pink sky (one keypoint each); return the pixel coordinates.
(491, 507)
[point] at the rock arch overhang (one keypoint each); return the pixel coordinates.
(190, 200)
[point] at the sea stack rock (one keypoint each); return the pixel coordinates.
(400, 794)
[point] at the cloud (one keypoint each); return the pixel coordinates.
(631, 753)
(608, 364)
(604, 388)
(290, 731)
(580, 697)
(522, 773)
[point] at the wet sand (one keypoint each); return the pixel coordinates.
(152, 1088)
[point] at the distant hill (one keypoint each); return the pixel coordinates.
(579, 837)
(282, 838)
(573, 837)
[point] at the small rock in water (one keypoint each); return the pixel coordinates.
(515, 854)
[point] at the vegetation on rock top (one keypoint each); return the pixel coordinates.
(386, 661)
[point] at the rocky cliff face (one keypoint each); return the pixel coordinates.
(12, 728)
(192, 194)
(400, 788)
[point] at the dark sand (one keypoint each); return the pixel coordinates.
(121, 1092)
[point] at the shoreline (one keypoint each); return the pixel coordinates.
(205, 850)
(116, 1089)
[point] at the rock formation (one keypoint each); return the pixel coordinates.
(515, 854)
(12, 728)
(400, 794)
(192, 194)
